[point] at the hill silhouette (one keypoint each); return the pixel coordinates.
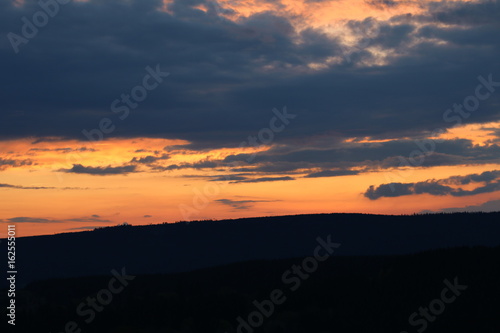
(182, 247)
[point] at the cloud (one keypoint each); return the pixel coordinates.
(147, 216)
(491, 180)
(241, 204)
(388, 190)
(332, 173)
(202, 164)
(232, 178)
(100, 171)
(489, 206)
(12, 163)
(150, 159)
(63, 150)
(26, 187)
(381, 4)
(19, 187)
(341, 157)
(262, 180)
(88, 219)
(23, 219)
(228, 75)
(486, 176)
(30, 220)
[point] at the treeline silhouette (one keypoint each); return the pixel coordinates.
(181, 247)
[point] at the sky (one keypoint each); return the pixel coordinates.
(148, 111)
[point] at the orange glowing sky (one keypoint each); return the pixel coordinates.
(66, 201)
(55, 184)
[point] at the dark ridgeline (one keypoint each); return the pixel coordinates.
(180, 247)
(201, 276)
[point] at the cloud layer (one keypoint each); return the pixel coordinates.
(95, 51)
(490, 183)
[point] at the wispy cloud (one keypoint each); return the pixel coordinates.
(24, 219)
(63, 150)
(332, 173)
(14, 163)
(241, 204)
(149, 159)
(263, 179)
(20, 187)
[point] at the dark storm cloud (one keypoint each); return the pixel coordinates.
(385, 154)
(100, 171)
(226, 77)
(295, 159)
(491, 180)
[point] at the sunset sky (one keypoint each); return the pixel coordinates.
(146, 111)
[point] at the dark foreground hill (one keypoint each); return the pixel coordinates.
(453, 290)
(182, 247)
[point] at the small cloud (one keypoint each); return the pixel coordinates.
(23, 219)
(150, 159)
(10, 163)
(332, 173)
(232, 178)
(241, 204)
(50, 139)
(20, 187)
(30, 220)
(263, 179)
(100, 171)
(148, 216)
(88, 219)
